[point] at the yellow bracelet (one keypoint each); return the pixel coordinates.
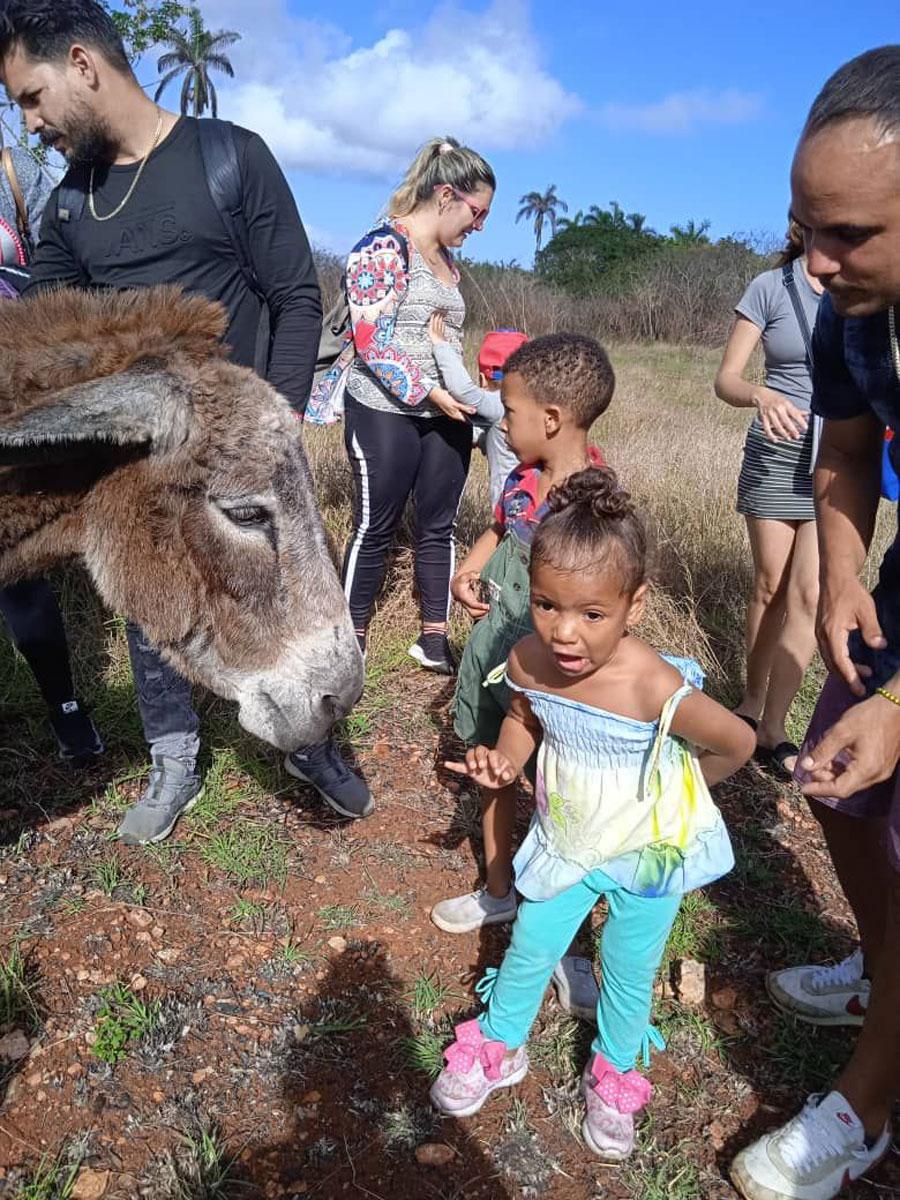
(888, 696)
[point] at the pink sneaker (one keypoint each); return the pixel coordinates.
(475, 1068)
(611, 1099)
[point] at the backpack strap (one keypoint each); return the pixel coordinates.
(15, 187)
(787, 278)
(70, 196)
(222, 168)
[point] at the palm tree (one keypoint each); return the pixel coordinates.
(572, 222)
(194, 53)
(536, 206)
(690, 234)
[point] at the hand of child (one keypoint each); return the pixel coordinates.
(436, 328)
(466, 588)
(488, 768)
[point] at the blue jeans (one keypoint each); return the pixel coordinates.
(164, 698)
(631, 948)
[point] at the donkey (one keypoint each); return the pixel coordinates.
(128, 440)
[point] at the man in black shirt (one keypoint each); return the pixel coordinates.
(146, 216)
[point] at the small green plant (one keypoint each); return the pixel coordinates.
(122, 1018)
(695, 933)
(292, 955)
(559, 1046)
(18, 991)
(337, 916)
(807, 1056)
(424, 1051)
(248, 852)
(203, 1168)
(106, 875)
(248, 912)
(139, 894)
(655, 1174)
(51, 1179)
(427, 994)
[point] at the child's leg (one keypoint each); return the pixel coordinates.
(541, 934)
(498, 819)
(631, 949)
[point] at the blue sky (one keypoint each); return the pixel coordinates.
(674, 110)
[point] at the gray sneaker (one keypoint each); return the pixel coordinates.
(576, 987)
(462, 914)
(172, 789)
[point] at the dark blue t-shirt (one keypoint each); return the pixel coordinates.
(853, 373)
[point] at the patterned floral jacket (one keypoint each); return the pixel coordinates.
(376, 283)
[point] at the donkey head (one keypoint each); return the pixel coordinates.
(182, 483)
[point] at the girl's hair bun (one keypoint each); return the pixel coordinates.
(597, 489)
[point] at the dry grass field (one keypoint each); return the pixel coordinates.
(255, 1007)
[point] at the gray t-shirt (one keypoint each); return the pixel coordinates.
(767, 304)
(425, 294)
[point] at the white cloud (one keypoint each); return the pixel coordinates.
(323, 104)
(683, 112)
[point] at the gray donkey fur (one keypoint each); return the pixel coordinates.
(128, 440)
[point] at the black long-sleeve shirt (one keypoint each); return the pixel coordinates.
(170, 232)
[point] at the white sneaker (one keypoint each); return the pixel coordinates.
(462, 914)
(836, 995)
(812, 1157)
(576, 987)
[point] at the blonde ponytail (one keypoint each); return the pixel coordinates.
(440, 161)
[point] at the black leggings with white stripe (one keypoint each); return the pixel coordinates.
(395, 456)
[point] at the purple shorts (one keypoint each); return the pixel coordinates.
(881, 802)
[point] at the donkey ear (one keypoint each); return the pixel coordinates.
(131, 408)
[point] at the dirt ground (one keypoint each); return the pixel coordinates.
(280, 983)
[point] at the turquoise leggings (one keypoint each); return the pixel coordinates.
(634, 938)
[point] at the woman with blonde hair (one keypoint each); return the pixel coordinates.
(775, 491)
(404, 432)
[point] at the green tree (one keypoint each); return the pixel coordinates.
(145, 23)
(540, 207)
(599, 251)
(690, 234)
(571, 222)
(194, 53)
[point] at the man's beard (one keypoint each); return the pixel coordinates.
(88, 138)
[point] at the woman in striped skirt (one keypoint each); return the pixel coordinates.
(775, 491)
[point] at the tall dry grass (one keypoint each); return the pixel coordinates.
(677, 449)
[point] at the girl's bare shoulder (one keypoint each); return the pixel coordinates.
(527, 662)
(659, 679)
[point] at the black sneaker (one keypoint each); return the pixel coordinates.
(432, 651)
(79, 741)
(322, 767)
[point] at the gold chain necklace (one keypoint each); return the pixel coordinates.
(115, 212)
(895, 345)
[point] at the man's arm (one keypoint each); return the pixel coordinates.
(54, 264)
(283, 263)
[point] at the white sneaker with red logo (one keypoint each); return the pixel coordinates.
(837, 995)
(812, 1157)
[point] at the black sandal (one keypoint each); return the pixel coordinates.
(774, 757)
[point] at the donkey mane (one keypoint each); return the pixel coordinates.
(66, 337)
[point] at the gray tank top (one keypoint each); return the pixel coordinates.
(425, 294)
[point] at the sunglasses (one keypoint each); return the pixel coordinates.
(479, 215)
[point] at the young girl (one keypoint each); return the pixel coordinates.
(627, 747)
(554, 389)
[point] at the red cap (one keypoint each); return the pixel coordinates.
(496, 348)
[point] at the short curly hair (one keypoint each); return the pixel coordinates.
(45, 29)
(567, 370)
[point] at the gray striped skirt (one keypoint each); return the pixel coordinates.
(775, 482)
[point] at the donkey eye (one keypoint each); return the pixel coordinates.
(249, 516)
